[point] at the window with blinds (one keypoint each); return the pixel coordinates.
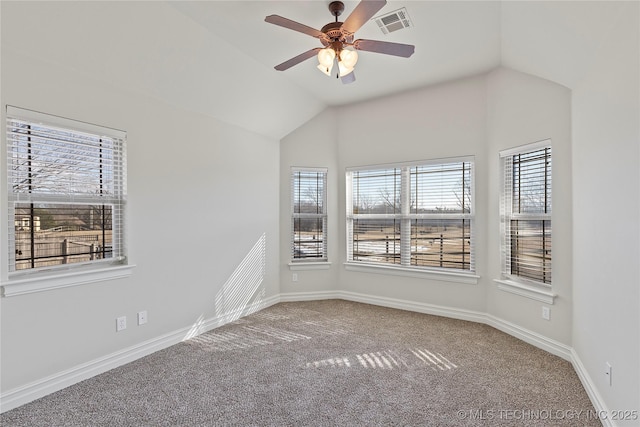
(413, 215)
(526, 213)
(67, 191)
(308, 214)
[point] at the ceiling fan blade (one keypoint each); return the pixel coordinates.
(396, 49)
(297, 59)
(349, 78)
(293, 25)
(361, 14)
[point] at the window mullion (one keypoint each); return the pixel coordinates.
(32, 249)
(405, 225)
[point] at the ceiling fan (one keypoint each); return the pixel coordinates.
(340, 48)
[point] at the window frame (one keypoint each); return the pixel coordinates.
(24, 281)
(508, 281)
(297, 263)
(405, 217)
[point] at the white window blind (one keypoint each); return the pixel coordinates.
(375, 217)
(526, 213)
(308, 214)
(67, 191)
(417, 215)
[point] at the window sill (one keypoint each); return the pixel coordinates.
(322, 265)
(445, 276)
(528, 291)
(44, 281)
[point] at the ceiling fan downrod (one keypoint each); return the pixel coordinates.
(336, 8)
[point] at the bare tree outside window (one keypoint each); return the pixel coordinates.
(526, 212)
(67, 192)
(412, 215)
(309, 215)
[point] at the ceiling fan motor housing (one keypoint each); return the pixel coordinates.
(336, 35)
(336, 8)
(333, 30)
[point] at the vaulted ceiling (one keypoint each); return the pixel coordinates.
(217, 57)
(453, 39)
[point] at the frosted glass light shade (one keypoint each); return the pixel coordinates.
(326, 57)
(326, 70)
(349, 58)
(344, 70)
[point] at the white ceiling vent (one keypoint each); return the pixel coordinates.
(394, 21)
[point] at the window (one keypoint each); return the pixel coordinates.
(308, 214)
(67, 192)
(417, 215)
(526, 213)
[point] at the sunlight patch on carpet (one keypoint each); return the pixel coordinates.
(380, 360)
(388, 360)
(434, 360)
(334, 362)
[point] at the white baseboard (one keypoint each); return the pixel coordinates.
(309, 296)
(437, 310)
(591, 389)
(37, 389)
(533, 338)
(29, 392)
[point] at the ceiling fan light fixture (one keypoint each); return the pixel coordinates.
(325, 70)
(343, 69)
(349, 58)
(326, 57)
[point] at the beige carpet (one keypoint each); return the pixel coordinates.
(329, 363)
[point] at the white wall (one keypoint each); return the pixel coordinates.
(606, 213)
(595, 136)
(202, 209)
(523, 109)
(110, 78)
(594, 130)
(312, 145)
(477, 117)
(447, 120)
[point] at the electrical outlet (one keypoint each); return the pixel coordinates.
(121, 323)
(546, 313)
(607, 372)
(295, 277)
(142, 317)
